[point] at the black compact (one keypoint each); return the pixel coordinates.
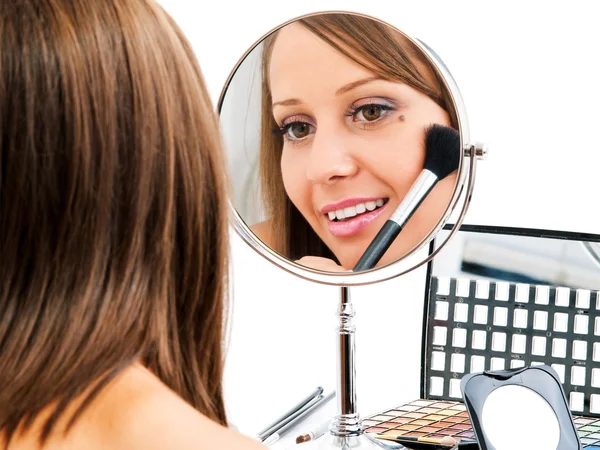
(519, 409)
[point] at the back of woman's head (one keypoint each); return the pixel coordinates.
(112, 210)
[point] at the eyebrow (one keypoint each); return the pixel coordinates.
(346, 88)
(356, 84)
(288, 102)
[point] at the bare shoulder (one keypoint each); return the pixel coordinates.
(264, 231)
(148, 415)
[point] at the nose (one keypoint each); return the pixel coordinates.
(330, 157)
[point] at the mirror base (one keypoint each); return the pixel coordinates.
(359, 442)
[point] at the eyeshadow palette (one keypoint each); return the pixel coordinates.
(437, 419)
(423, 418)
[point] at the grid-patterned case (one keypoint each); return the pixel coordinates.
(476, 325)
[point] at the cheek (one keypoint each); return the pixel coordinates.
(399, 153)
(398, 158)
(294, 180)
(438, 200)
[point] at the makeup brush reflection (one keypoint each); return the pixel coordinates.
(345, 102)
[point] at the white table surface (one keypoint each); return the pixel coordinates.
(283, 345)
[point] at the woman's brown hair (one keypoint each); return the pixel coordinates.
(373, 45)
(113, 245)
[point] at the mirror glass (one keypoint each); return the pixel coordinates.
(593, 249)
(519, 259)
(516, 417)
(324, 123)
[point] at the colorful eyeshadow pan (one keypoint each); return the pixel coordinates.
(409, 408)
(416, 434)
(448, 412)
(421, 422)
(454, 419)
(408, 427)
(398, 420)
(381, 418)
(435, 419)
(387, 424)
(423, 402)
(583, 421)
(428, 410)
(370, 423)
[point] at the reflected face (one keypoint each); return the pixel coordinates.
(353, 145)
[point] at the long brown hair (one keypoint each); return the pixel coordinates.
(373, 45)
(113, 246)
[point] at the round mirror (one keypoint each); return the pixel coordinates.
(327, 123)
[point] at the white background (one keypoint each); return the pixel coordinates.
(529, 75)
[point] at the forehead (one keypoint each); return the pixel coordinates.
(301, 62)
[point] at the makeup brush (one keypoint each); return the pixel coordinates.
(447, 442)
(442, 156)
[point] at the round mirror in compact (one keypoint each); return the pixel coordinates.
(510, 428)
(519, 409)
(348, 149)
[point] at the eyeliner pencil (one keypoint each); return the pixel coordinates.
(280, 422)
(298, 418)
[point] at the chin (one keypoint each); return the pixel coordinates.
(349, 261)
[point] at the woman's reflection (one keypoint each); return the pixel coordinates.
(345, 103)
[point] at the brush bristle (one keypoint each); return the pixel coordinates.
(303, 438)
(448, 440)
(442, 150)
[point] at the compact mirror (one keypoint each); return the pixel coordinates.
(324, 122)
(519, 409)
(532, 425)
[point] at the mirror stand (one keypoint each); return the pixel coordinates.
(346, 430)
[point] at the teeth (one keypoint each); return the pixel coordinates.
(350, 211)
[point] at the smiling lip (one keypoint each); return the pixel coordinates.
(350, 227)
(347, 203)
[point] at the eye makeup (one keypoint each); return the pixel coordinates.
(370, 111)
(367, 113)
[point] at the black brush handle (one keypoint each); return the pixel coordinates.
(378, 246)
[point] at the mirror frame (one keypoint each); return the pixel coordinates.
(469, 155)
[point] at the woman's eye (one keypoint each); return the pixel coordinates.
(297, 131)
(370, 113)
